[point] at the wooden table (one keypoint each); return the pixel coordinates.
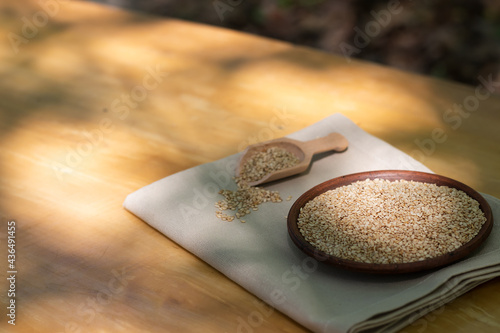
(96, 103)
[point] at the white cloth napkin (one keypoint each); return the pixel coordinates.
(259, 255)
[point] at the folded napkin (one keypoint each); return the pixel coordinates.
(260, 257)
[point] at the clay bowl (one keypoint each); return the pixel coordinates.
(391, 175)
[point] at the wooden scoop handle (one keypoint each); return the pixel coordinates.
(333, 141)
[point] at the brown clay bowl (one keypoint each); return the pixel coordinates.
(391, 175)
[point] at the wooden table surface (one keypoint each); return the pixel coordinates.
(96, 103)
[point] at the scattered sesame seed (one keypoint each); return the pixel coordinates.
(246, 197)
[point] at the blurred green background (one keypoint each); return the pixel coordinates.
(455, 40)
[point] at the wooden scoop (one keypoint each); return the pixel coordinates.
(303, 150)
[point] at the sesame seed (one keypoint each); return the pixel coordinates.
(248, 198)
(379, 221)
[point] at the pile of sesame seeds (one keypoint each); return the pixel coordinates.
(246, 198)
(265, 162)
(379, 221)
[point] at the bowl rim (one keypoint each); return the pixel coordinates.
(392, 175)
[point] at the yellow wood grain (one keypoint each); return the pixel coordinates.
(96, 103)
